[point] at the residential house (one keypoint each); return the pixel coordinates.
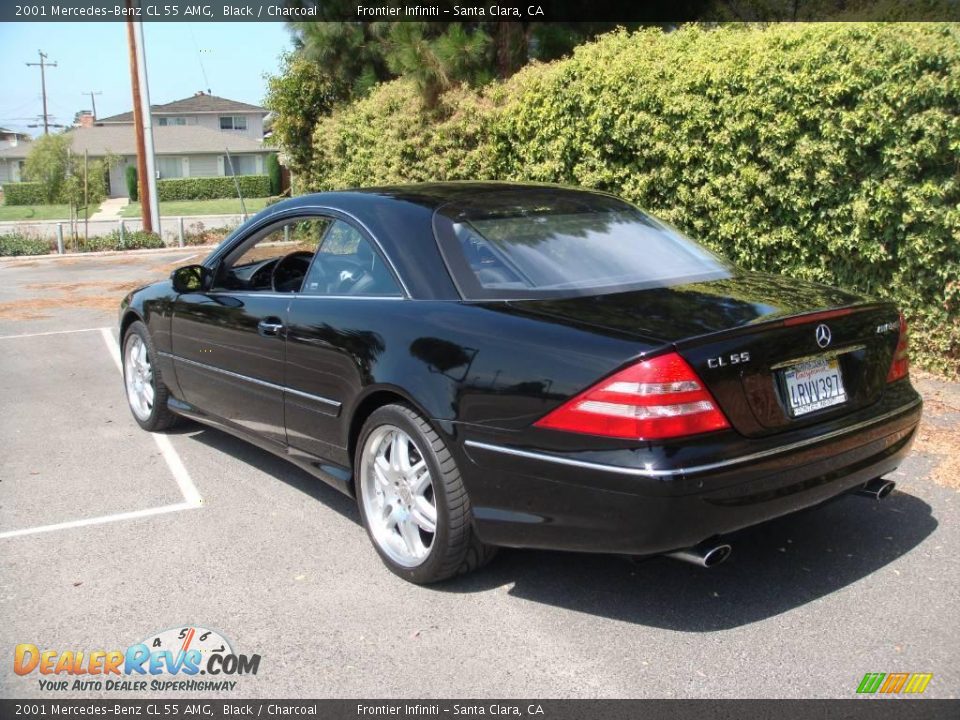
(11, 138)
(200, 136)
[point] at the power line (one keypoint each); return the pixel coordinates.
(43, 65)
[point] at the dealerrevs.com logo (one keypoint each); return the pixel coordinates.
(169, 660)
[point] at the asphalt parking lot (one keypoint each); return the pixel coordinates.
(109, 535)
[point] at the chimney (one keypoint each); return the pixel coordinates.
(84, 119)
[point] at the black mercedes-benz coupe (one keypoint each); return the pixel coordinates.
(487, 364)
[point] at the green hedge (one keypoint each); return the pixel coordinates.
(133, 186)
(822, 151)
(23, 193)
(210, 188)
(17, 244)
(132, 240)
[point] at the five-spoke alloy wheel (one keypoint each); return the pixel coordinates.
(412, 499)
(398, 497)
(146, 393)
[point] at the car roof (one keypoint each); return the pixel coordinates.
(400, 218)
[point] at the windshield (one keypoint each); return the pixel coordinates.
(553, 242)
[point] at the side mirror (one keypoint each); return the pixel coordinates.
(190, 278)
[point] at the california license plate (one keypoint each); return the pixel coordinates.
(814, 385)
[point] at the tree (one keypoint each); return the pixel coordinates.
(131, 180)
(48, 164)
(63, 176)
(437, 56)
(273, 171)
(298, 97)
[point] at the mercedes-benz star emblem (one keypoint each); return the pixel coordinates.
(823, 335)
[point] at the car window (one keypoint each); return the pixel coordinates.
(347, 264)
(552, 244)
(274, 260)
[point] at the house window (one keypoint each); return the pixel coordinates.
(170, 167)
(164, 121)
(240, 165)
(233, 122)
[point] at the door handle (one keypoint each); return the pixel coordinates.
(270, 327)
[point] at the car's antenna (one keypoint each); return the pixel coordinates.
(236, 184)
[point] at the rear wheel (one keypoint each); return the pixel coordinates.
(146, 393)
(412, 500)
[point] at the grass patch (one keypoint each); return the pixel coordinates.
(222, 206)
(26, 213)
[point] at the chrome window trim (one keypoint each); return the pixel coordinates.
(263, 383)
(292, 295)
(696, 469)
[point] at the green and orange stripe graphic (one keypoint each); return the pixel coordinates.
(893, 683)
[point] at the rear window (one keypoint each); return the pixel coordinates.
(551, 243)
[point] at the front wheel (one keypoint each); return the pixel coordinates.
(412, 500)
(146, 394)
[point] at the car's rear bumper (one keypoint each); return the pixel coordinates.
(526, 497)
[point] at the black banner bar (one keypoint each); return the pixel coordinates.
(873, 708)
(626, 11)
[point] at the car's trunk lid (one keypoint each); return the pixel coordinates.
(753, 340)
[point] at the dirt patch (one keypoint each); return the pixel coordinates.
(944, 443)
(105, 295)
(16, 311)
(939, 433)
(104, 286)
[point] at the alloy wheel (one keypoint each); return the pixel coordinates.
(138, 377)
(398, 496)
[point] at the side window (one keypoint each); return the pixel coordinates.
(273, 260)
(346, 264)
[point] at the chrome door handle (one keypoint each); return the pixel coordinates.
(270, 327)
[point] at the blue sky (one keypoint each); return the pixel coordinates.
(93, 56)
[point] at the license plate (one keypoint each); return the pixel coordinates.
(814, 385)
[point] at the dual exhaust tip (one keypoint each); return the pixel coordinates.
(711, 553)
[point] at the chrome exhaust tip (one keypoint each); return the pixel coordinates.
(878, 488)
(707, 554)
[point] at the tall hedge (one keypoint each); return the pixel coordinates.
(823, 151)
(274, 173)
(23, 193)
(133, 185)
(210, 188)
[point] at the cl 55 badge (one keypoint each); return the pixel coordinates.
(731, 359)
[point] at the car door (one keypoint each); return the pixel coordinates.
(331, 346)
(228, 342)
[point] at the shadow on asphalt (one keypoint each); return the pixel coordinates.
(775, 567)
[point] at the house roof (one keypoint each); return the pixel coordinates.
(5, 131)
(168, 140)
(201, 103)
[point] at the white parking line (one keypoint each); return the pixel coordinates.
(99, 520)
(191, 495)
(189, 491)
(51, 332)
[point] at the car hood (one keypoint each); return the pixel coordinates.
(671, 314)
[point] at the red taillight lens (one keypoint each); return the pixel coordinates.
(901, 362)
(652, 400)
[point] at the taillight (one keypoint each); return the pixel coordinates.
(652, 400)
(901, 362)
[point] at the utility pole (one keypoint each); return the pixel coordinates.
(43, 65)
(145, 215)
(93, 103)
(147, 127)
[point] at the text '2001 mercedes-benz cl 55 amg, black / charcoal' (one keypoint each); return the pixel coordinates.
(492, 364)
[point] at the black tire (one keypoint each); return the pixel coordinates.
(456, 550)
(160, 416)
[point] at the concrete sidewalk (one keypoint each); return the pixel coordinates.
(110, 209)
